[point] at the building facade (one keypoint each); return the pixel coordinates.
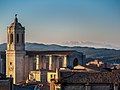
(15, 52)
(20, 63)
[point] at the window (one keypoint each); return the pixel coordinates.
(75, 62)
(54, 76)
(11, 38)
(10, 63)
(51, 75)
(17, 38)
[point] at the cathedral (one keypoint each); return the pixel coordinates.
(20, 63)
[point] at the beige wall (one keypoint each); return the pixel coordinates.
(10, 69)
(15, 65)
(50, 75)
(34, 75)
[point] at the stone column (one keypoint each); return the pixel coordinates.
(65, 61)
(52, 85)
(50, 62)
(87, 86)
(57, 74)
(115, 87)
(37, 62)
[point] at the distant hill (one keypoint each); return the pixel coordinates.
(103, 54)
(91, 44)
(3, 47)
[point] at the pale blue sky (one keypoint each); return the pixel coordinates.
(56, 21)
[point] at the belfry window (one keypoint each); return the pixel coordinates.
(11, 38)
(17, 38)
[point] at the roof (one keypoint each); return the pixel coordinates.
(16, 24)
(88, 77)
(67, 52)
(84, 69)
(79, 67)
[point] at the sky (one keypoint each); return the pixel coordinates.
(58, 21)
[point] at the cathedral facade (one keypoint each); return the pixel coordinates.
(19, 62)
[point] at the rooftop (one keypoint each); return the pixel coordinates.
(66, 52)
(90, 77)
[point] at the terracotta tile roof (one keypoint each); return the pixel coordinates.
(88, 77)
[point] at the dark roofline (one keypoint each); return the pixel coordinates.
(53, 50)
(62, 52)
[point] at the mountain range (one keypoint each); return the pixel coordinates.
(103, 54)
(91, 44)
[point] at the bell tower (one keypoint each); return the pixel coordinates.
(15, 36)
(15, 53)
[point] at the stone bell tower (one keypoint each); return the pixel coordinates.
(15, 53)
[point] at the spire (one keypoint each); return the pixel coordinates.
(15, 19)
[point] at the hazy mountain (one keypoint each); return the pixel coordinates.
(103, 54)
(3, 47)
(90, 44)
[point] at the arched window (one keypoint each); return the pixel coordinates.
(75, 62)
(11, 38)
(17, 38)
